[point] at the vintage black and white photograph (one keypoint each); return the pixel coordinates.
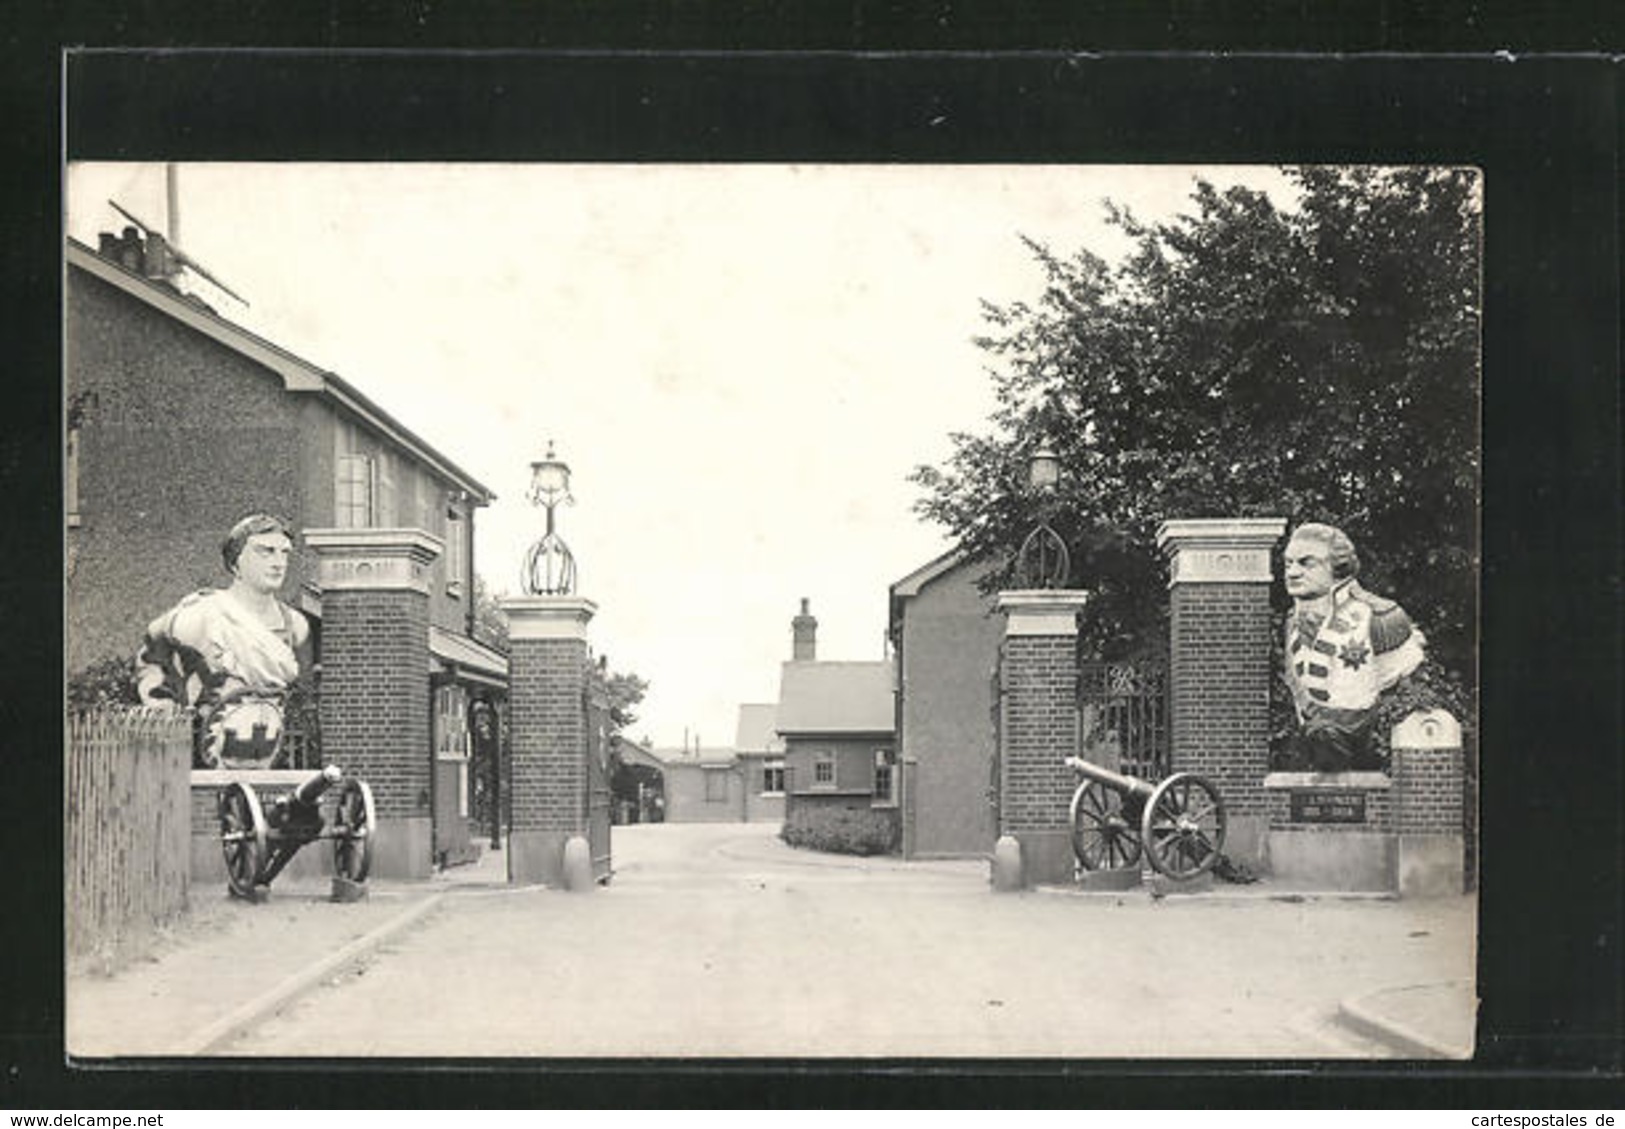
(773, 610)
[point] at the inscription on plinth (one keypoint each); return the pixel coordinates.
(1327, 806)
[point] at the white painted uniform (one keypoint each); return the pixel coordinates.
(1363, 646)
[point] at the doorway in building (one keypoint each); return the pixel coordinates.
(453, 844)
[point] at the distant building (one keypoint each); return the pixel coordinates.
(640, 786)
(743, 783)
(760, 752)
(702, 785)
(945, 638)
(837, 721)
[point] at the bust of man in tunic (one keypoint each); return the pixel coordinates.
(1344, 647)
(231, 653)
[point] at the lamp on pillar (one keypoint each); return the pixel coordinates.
(550, 568)
(1043, 560)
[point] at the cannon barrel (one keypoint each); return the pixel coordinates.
(1117, 782)
(311, 788)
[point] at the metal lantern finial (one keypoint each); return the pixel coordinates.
(1044, 469)
(1043, 560)
(550, 567)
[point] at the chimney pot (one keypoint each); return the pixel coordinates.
(804, 636)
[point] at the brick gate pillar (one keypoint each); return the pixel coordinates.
(374, 700)
(1219, 664)
(1038, 727)
(1428, 767)
(548, 670)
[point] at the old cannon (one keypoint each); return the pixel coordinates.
(259, 839)
(1178, 823)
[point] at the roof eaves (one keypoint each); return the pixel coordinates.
(296, 373)
(911, 584)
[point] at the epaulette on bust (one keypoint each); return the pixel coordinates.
(1390, 627)
(1379, 605)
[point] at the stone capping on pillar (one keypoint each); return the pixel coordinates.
(373, 559)
(548, 617)
(1364, 781)
(1041, 611)
(1219, 550)
(1427, 729)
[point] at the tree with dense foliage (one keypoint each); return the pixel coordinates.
(490, 621)
(628, 782)
(623, 692)
(1317, 362)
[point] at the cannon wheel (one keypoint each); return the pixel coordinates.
(1103, 837)
(243, 836)
(1183, 826)
(354, 821)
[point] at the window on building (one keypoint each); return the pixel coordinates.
(456, 554)
(70, 474)
(424, 496)
(386, 511)
(716, 785)
(353, 504)
(773, 778)
(451, 735)
(78, 405)
(885, 776)
(823, 770)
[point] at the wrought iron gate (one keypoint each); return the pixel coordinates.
(599, 799)
(1123, 716)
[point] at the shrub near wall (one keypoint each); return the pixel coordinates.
(127, 829)
(841, 829)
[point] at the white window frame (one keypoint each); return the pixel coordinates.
(355, 474)
(70, 483)
(452, 737)
(386, 513)
(821, 758)
(456, 556)
(769, 768)
(885, 760)
(424, 497)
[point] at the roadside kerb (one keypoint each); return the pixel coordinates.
(1260, 892)
(229, 1026)
(1360, 1013)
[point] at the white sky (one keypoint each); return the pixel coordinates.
(741, 364)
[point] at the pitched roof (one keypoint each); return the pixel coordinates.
(836, 697)
(709, 756)
(296, 373)
(911, 584)
(757, 732)
(935, 569)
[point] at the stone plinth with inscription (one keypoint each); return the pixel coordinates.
(1332, 830)
(1398, 831)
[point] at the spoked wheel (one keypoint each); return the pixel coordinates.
(1183, 827)
(242, 838)
(1103, 837)
(353, 824)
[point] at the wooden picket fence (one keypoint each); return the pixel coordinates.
(128, 826)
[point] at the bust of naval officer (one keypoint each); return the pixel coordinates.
(1344, 647)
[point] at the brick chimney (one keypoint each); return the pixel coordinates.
(804, 632)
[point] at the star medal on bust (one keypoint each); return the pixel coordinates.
(1353, 655)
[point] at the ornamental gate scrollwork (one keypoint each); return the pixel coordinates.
(1123, 716)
